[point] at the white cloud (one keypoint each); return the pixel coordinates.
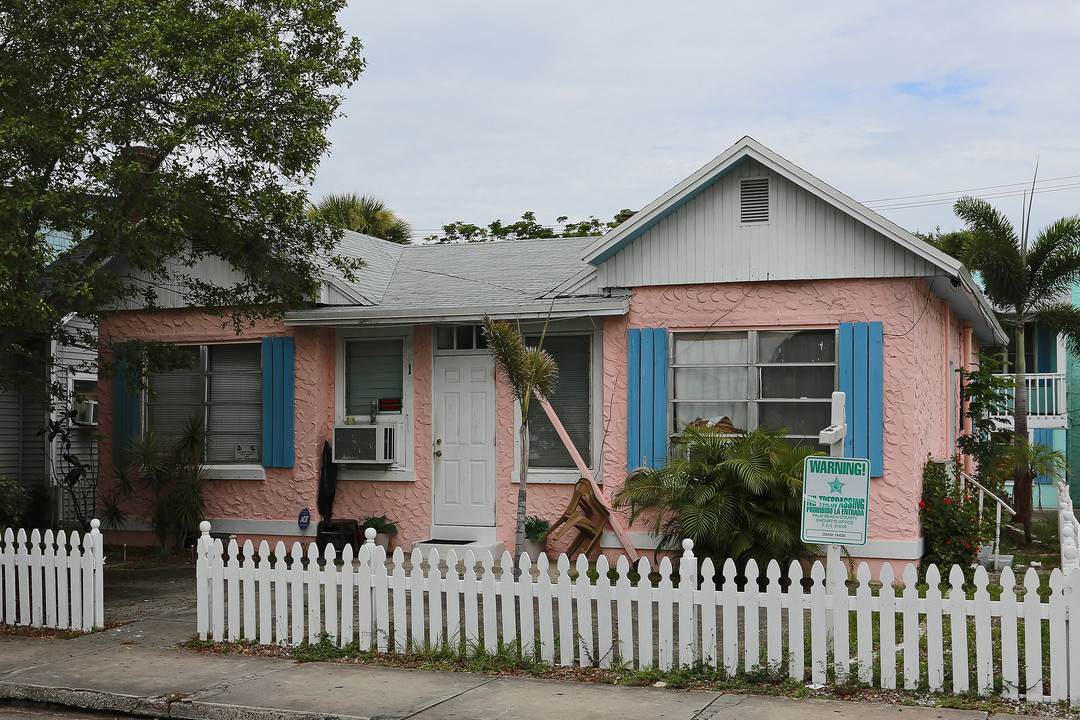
(482, 110)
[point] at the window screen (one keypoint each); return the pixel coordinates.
(373, 373)
(572, 402)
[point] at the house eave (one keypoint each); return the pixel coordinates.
(559, 309)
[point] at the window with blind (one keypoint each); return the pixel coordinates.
(572, 402)
(223, 388)
(373, 374)
(782, 379)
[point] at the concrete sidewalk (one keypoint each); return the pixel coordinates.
(135, 669)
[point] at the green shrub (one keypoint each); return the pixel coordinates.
(952, 533)
(379, 523)
(535, 527)
(13, 503)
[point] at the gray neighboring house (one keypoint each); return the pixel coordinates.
(26, 454)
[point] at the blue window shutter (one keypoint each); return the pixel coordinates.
(861, 380)
(127, 409)
(660, 396)
(633, 400)
(646, 432)
(278, 401)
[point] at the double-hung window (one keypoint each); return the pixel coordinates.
(374, 382)
(782, 379)
(223, 389)
(572, 402)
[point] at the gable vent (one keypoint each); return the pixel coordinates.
(754, 200)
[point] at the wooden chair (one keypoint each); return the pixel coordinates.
(586, 513)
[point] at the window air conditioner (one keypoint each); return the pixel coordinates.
(365, 444)
(86, 412)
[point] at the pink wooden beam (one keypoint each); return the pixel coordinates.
(613, 518)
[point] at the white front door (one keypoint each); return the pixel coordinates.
(464, 462)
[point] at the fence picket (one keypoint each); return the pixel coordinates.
(819, 626)
(453, 600)
(524, 592)
(563, 594)
(1032, 683)
(416, 600)
(545, 609)
(1072, 593)
(63, 603)
(605, 631)
(314, 599)
(7, 561)
(984, 663)
(87, 563)
(958, 631)
(664, 612)
(751, 602)
(296, 595)
(472, 611)
(281, 596)
(247, 590)
(48, 565)
(398, 591)
(74, 571)
(22, 564)
(582, 592)
(435, 602)
(729, 601)
(864, 626)
(346, 581)
(381, 581)
(887, 627)
(774, 626)
(265, 628)
(841, 635)
(365, 613)
(1010, 662)
(34, 569)
(232, 590)
(796, 619)
(708, 612)
(935, 650)
(910, 602)
(487, 589)
(644, 614)
(688, 577)
(508, 597)
(329, 576)
(1058, 653)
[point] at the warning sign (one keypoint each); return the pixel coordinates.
(835, 494)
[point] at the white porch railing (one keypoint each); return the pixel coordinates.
(682, 615)
(999, 506)
(1046, 400)
(52, 581)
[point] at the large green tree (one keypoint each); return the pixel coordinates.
(149, 134)
(1028, 281)
(363, 214)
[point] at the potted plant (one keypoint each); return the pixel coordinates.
(535, 527)
(383, 527)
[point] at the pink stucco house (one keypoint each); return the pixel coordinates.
(751, 290)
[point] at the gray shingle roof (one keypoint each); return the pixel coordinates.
(413, 277)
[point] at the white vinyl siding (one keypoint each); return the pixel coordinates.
(704, 240)
(572, 402)
(781, 379)
(224, 390)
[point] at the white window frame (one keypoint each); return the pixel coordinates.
(217, 471)
(570, 475)
(404, 469)
(753, 366)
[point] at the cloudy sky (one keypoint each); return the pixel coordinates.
(477, 110)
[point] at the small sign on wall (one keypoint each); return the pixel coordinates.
(246, 452)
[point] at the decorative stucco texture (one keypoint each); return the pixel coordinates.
(920, 338)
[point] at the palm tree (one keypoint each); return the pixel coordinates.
(365, 214)
(1029, 460)
(527, 370)
(736, 496)
(1025, 281)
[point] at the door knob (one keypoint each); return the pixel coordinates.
(438, 453)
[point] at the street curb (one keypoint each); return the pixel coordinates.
(157, 707)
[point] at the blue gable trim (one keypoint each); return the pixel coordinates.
(278, 401)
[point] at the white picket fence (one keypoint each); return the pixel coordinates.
(52, 580)
(888, 636)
